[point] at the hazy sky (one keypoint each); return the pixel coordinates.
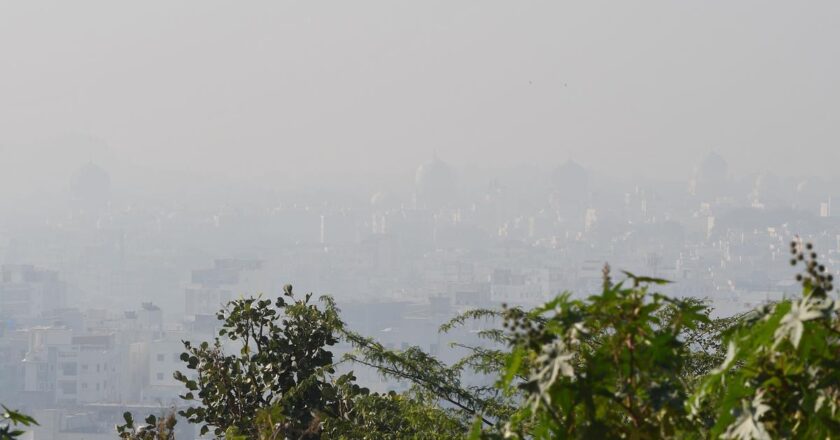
(315, 87)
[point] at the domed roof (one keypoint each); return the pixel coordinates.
(433, 172)
(713, 168)
(569, 174)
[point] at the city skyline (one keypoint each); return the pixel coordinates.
(163, 163)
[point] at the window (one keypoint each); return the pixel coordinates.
(160, 376)
(68, 368)
(161, 357)
(67, 386)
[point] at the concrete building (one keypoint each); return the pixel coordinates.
(27, 292)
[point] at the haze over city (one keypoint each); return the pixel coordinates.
(302, 91)
(413, 160)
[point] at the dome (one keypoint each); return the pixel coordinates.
(91, 185)
(570, 175)
(434, 183)
(713, 168)
(432, 173)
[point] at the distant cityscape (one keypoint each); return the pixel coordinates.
(95, 301)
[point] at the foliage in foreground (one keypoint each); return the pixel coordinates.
(11, 422)
(282, 383)
(156, 428)
(781, 374)
(625, 363)
(606, 367)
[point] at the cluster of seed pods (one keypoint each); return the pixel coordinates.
(523, 328)
(815, 274)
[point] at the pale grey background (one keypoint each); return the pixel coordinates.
(273, 92)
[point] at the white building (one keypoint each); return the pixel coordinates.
(27, 292)
(71, 369)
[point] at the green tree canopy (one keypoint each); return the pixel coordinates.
(628, 362)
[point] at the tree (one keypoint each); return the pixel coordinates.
(605, 367)
(630, 363)
(9, 419)
(627, 362)
(428, 374)
(704, 340)
(393, 416)
(284, 362)
(156, 428)
(781, 374)
(283, 383)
